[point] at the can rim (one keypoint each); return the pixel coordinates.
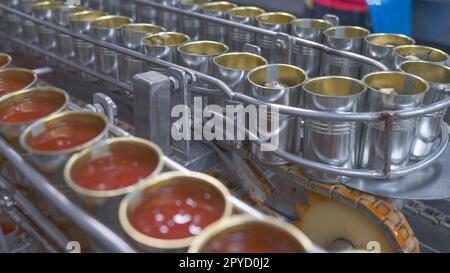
(95, 23)
(75, 17)
(115, 192)
(410, 40)
(237, 54)
(8, 59)
(233, 10)
(39, 122)
(170, 33)
(364, 87)
(440, 66)
(285, 14)
(212, 6)
(443, 53)
(427, 86)
(18, 69)
(365, 32)
(180, 48)
(32, 90)
(131, 28)
(236, 220)
(322, 21)
(169, 243)
(272, 65)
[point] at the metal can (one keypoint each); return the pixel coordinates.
(246, 234)
(5, 60)
(107, 28)
(332, 142)
(213, 31)
(279, 84)
(199, 55)
(390, 91)
(164, 46)
(243, 15)
(165, 193)
(132, 36)
(16, 79)
(380, 47)
(304, 57)
(274, 21)
(100, 175)
(44, 10)
(84, 52)
(348, 38)
(418, 53)
(428, 128)
(189, 25)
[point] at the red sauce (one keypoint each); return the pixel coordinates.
(11, 84)
(64, 135)
(253, 238)
(114, 171)
(6, 224)
(177, 211)
(30, 108)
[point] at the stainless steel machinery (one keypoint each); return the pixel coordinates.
(401, 207)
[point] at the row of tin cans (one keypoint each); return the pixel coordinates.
(120, 180)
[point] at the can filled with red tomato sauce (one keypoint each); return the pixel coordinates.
(246, 234)
(19, 109)
(169, 211)
(15, 79)
(101, 175)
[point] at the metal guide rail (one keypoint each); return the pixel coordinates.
(388, 117)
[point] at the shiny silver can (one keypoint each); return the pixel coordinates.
(107, 28)
(237, 38)
(274, 21)
(213, 31)
(279, 84)
(199, 55)
(418, 53)
(189, 25)
(132, 36)
(347, 38)
(332, 142)
(164, 46)
(304, 57)
(44, 11)
(390, 91)
(380, 47)
(428, 128)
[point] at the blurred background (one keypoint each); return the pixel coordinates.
(427, 21)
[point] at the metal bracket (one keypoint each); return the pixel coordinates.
(42, 70)
(333, 19)
(152, 108)
(105, 105)
(181, 96)
(283, 45)
(250, 48)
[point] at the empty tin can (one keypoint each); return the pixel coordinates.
(84, 52)
(164, 46)
(44, 10)
(428, 128)
(279, 84)
(380, 47)
(274, 21)
(132, 36)
(64, 42)
(29, 32)
(332, 142)
(390, 91)
(237, 38)
(347, 38)
(107, 28)
(199, 55)
(213, 31)
(418, 53)
(304, 57)
(189, 25)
